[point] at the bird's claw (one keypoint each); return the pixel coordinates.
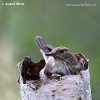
(56, 76)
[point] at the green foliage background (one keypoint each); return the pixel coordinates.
(75, 27)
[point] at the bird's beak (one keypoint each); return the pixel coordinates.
(49, 54)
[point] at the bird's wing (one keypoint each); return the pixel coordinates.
(82, 60)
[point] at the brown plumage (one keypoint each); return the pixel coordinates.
(81, 57)
(64, 61)
(58, 60)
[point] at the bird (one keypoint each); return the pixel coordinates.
(65, 62)
(60, 61)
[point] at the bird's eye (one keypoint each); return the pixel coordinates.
(61, 51)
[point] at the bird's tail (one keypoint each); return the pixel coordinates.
(42, 44)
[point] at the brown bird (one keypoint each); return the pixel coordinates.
(65, 62)
(60, 60)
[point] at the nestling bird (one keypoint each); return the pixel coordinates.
(60, 60)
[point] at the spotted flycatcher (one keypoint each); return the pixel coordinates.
(60, 60)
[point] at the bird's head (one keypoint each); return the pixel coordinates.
(64, 54)
(59, 52)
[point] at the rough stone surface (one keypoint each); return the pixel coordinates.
(69, 87)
